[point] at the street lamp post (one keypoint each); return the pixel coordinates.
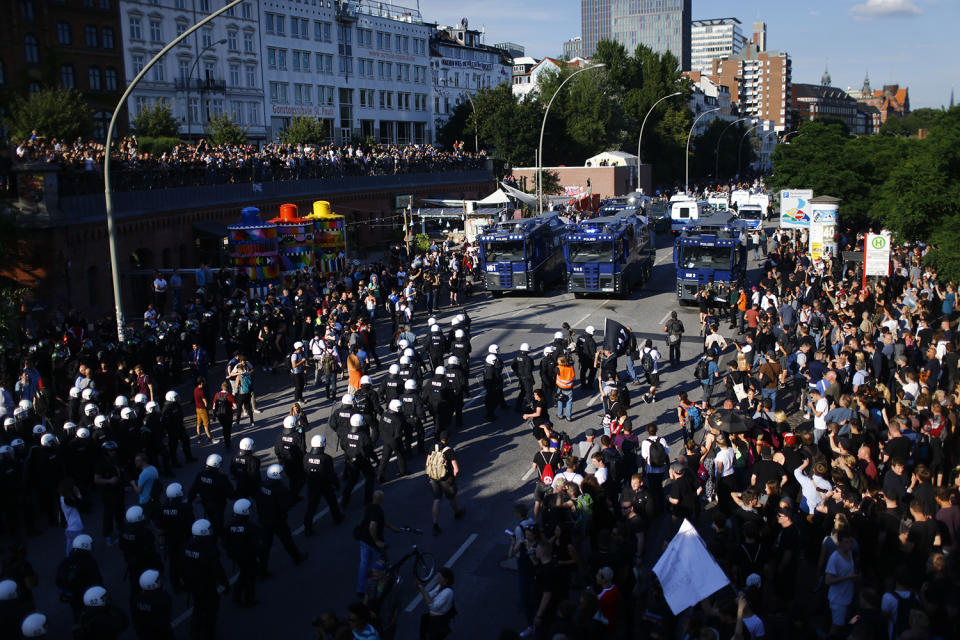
(544, 126)
(740, 146)
(476, 133)
(716, 153)
(762, 138)
(686, 175)
(107, 193)
(644, 123)
(196, 61)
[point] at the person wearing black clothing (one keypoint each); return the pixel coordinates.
(151, 608)
(173, 520)
(108, 477)
(895, 480)
(171, 416)
(100, 620)
(202, 574)
(77, 573)
(548, 373)
(289, 448)
(138, 545)
(391, 434)
(414, 415)
(493, 383)
(587, 354)
(213, 488)
(458, 384)
(273, 506)
(674, 330)
(683, 497)
(546, 457)
(522, 366)
(322, 481)
(539, 413)
(359, 459)
(438, 395)
(242, 542)
(245, 470)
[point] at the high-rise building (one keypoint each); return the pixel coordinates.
(594, 24)
(513, 49)
(662, 25)
(48, 43)
(760, 82)
(715, 38)
(573, 48)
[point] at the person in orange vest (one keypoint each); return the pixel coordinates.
(564, 382)
(741, 309)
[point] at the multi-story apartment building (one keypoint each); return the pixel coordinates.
(662, 25)
(363, 68)
(461, 66)
(714, 38)
(215, 70)
(75, 44)
(760, 81)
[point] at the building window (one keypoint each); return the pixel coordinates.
(90, 36)
(26, 10)
(299, 27)
(253, 116)
(302, 94)
(30, 50)
(110, 79)
(63, 33)
(234, 75)
(204, 5)
(324, 63)
(206, 37)
(345, 65)
(248, 43)
(233, 43)
(282, 59)
(157, 69)
(138, 63)
(245, 10)
(93, 77)
(180, 4)
(156, 33)
(106, 38)
(278, 92)
(67, 80)
(251, 76)
(183, 70)
(136, 28)
(324, 95)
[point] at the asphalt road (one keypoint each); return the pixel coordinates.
(495, 472)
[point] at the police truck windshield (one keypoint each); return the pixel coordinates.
(706, 257)
(508, 251)
(581, 252)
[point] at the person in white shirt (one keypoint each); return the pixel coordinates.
(813, 489)
(819, 407)
(440, 606)
(601, 468)
(570, 474)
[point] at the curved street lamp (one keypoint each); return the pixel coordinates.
(476, 125)
(544, 126)
(686, 175)
(716, 153)
(644, 123)
(107, 192)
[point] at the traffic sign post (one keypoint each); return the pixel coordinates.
(876, 255)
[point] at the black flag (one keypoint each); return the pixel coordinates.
(615, 337)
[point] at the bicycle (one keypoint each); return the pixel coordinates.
(424, 565)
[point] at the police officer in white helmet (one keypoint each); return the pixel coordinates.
(322, 481)
(493, 382)
(151, 608)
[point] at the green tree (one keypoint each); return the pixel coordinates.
(222, 130)
(708, 157)
(156, 121)
(305, 131)
(457, 126)
(52, 113)
(911, 123)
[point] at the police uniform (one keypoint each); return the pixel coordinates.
(322, 481)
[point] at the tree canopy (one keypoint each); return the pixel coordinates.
(303, 130)
(52, 113)
(156, 121)
(222, 130)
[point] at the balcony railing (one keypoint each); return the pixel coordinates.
(201, 84)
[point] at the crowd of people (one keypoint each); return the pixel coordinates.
(819, 463)
(81, 162)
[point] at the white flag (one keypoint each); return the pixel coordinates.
(686, 570)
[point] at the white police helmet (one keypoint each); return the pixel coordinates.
(127, 413)
(135, 514)
(201, 527)
(395, 405)
(83, 433)
(547, 350)
(39, 429)
(365, 380)
(590, 329)
(431, 321)
(410, 385)
(404, 360)
(524, 347)
(458, 334)
(83, 541)
(356, 420)
(290, 422)
(90, 409)
(403, 344)
(453, 361)
(174, 490)
(394, 369)
(6, 452)
(74, 392)
(435, 328)
(120, 401)
(347, 398)
(34, 626)
(87, 393)
(455, 322)
(461, 317)
(99, 421)
(494, 348)
(48, 440)
(491, 359)
(150, 580)
(241, 507)
(9, 422)
(95, 597)
(440, 371)
(246, 444)
(558, 335)
(69, 426)
(152, 407)
(8, 590)
(140, 398)
(214, 460)
(318, 442)
(408, 352)
(171, 396)
(274, 471)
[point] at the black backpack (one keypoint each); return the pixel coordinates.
(904, 607)
(702, 370)
(658, 454)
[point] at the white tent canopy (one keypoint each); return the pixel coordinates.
(525, 198)
(613, 159)
(497, 197)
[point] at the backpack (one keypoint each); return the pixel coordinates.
(904, 607)
(694, 417)
(546, 476)
(327, 363)
(740, 455)
(673, 338)
(436, 468)
(658, 454)
(220, 405)
(702, 370)
(647, 362)
(584, 515)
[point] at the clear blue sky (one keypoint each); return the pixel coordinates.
(910, 42)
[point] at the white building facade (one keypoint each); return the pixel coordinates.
(461, 66)
(362, 68)
(216, 70)
(715, 38)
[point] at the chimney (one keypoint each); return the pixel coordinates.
(760, 35)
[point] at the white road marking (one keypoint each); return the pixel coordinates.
(597, 308)
(527, 475)
(664, 320)
(449, 563)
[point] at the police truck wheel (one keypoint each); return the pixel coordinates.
(496, 294)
